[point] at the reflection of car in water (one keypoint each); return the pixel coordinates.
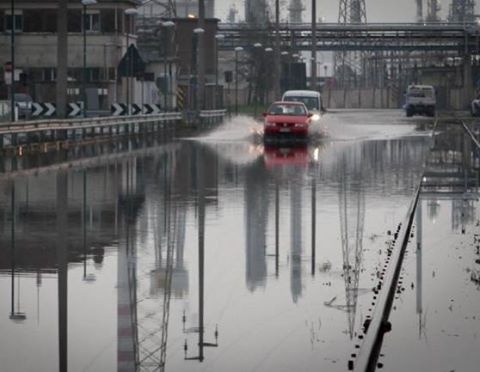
(280, 155)
(311, 99)
(286, 120)
(420, 100)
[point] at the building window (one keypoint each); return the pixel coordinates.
(92, 21)
(18, 20)
(49, 74)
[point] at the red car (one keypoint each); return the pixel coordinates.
(287, 119)
(297, 156)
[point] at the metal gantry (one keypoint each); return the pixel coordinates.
(412, 37)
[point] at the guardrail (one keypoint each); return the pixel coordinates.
(60, 124)
(384, 295)
(39, 131)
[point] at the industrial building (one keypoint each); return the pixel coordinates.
(108, 29)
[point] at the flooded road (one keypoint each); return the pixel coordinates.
(118, 262)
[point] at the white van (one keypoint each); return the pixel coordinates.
(420, 100)
(311, 99)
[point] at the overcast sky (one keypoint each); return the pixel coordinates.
(377, 10)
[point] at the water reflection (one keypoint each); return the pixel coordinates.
(180, 225)
(443, 292)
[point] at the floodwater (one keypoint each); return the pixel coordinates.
(116, 257)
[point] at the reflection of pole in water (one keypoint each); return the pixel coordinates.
(277, 228)
(296, 240)
(201, 273)
(127, 350)
(256, 216)
(62, 262)
(314, 222)
(15, 314)
(352, 214)
(419, 266)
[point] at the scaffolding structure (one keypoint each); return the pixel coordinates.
(348, 65)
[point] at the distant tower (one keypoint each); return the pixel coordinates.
(349, 64)
(433, 11)
(419, 11)
(462, 11)
(256, 11)
(296, 9)
(232, 14)
(352, 11)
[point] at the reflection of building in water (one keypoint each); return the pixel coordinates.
(256, 216)
(450, 173)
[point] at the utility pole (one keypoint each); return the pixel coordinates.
(276, 84)
(201, 56)
(12, 46)
(62, 58)
(313, 60)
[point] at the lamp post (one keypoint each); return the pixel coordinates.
(167, 25)
(197, 32)
(313, 66)
(237, 50)
(257, 46)
(85, 3)
(12, 51)
(285, 55)
(218, 37)
(269, 50)
(129, 12)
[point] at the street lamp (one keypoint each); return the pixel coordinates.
(85, 3)
(285, 55)
(277, 77)
(237, 50)
(218, 37)
(257, 73)
(129, 12)
(167, 25)
(12, 52)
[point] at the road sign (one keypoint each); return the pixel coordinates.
(136, 109)
(151, 109)
(119, 109)
(131, 64)
(74, 109)
(8, 67)
(43, 109)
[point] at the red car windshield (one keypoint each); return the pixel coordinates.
(287, 109)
